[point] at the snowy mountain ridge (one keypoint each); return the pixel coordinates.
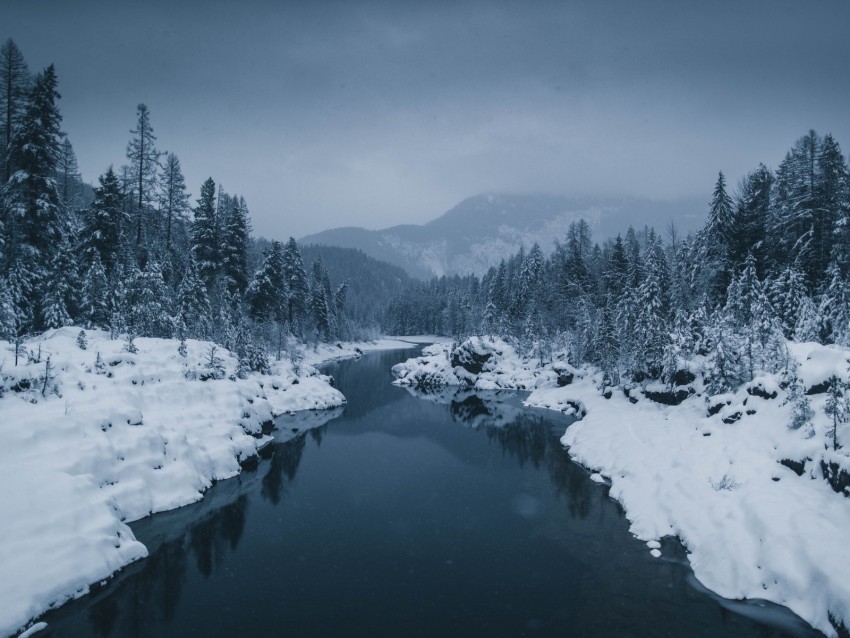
(481, 230)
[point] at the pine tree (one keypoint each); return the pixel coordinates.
(235, 236)
(35, 221)
(834, 308)
(205, 235)
(716, 241)
(607, 346)
(193, 305)
(836, 408)
(8, 318)
(94, 304)
(104, 221)
(651, 329)
(20, 290)
(14, 92)
(750, 217)
(319, 297)
(145, 165)
(148, 303)
(70, 183)
(174, 201)
(266, 294)
(297, 286)
(786, 294)
(809, 324)
(60, 288)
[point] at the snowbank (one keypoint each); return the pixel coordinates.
(324, 352)
(745, 493)
(112, 436)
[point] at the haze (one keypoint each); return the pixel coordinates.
(326, 114)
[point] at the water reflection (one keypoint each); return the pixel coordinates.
(531, 437)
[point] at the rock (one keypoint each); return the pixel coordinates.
(669, 397)
(464, 356)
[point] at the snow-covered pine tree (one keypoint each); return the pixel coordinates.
(607, 346)
(8, 318)
(148, 303)
(715, 241)
(94, 298)
(786, 294)
(834, 308)
(266, 293)
(205, 236)
(297, 286)
(35, 221)
(320, 299)
(59, 289)
(235, 238)
(193, 304)
(104, 221)
(750, 214)
(837, 407)
(651, 326)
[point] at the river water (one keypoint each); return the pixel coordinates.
(448, 514)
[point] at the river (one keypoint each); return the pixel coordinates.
(448, 514)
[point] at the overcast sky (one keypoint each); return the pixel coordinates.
(326, 114)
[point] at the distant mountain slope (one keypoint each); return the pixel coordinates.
(372, 283)
(481, 230)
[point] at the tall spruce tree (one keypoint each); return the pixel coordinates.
(104, 222)
(36, 223)
(205, 235)
(235, 240)
(297, 286)
(15, 85)
(267, 292)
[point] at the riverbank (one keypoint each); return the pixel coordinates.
(744, 492)
(94, 436)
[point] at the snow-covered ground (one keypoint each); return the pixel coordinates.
(753, 527)
(113, 436)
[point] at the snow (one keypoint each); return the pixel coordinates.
(501, 367)
(108, 446)
(32, 631)
(753, 528)
(324, 352)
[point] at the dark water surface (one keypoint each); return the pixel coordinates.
(453, 514)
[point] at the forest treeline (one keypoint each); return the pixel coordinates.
(771, 263)
(134, 255)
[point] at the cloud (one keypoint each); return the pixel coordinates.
(371, 113)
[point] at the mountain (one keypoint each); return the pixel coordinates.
(481, 230)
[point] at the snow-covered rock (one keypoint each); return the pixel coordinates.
(484, 363)
(100, 437)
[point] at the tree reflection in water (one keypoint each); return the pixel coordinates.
(527, 435)
(147, 594)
